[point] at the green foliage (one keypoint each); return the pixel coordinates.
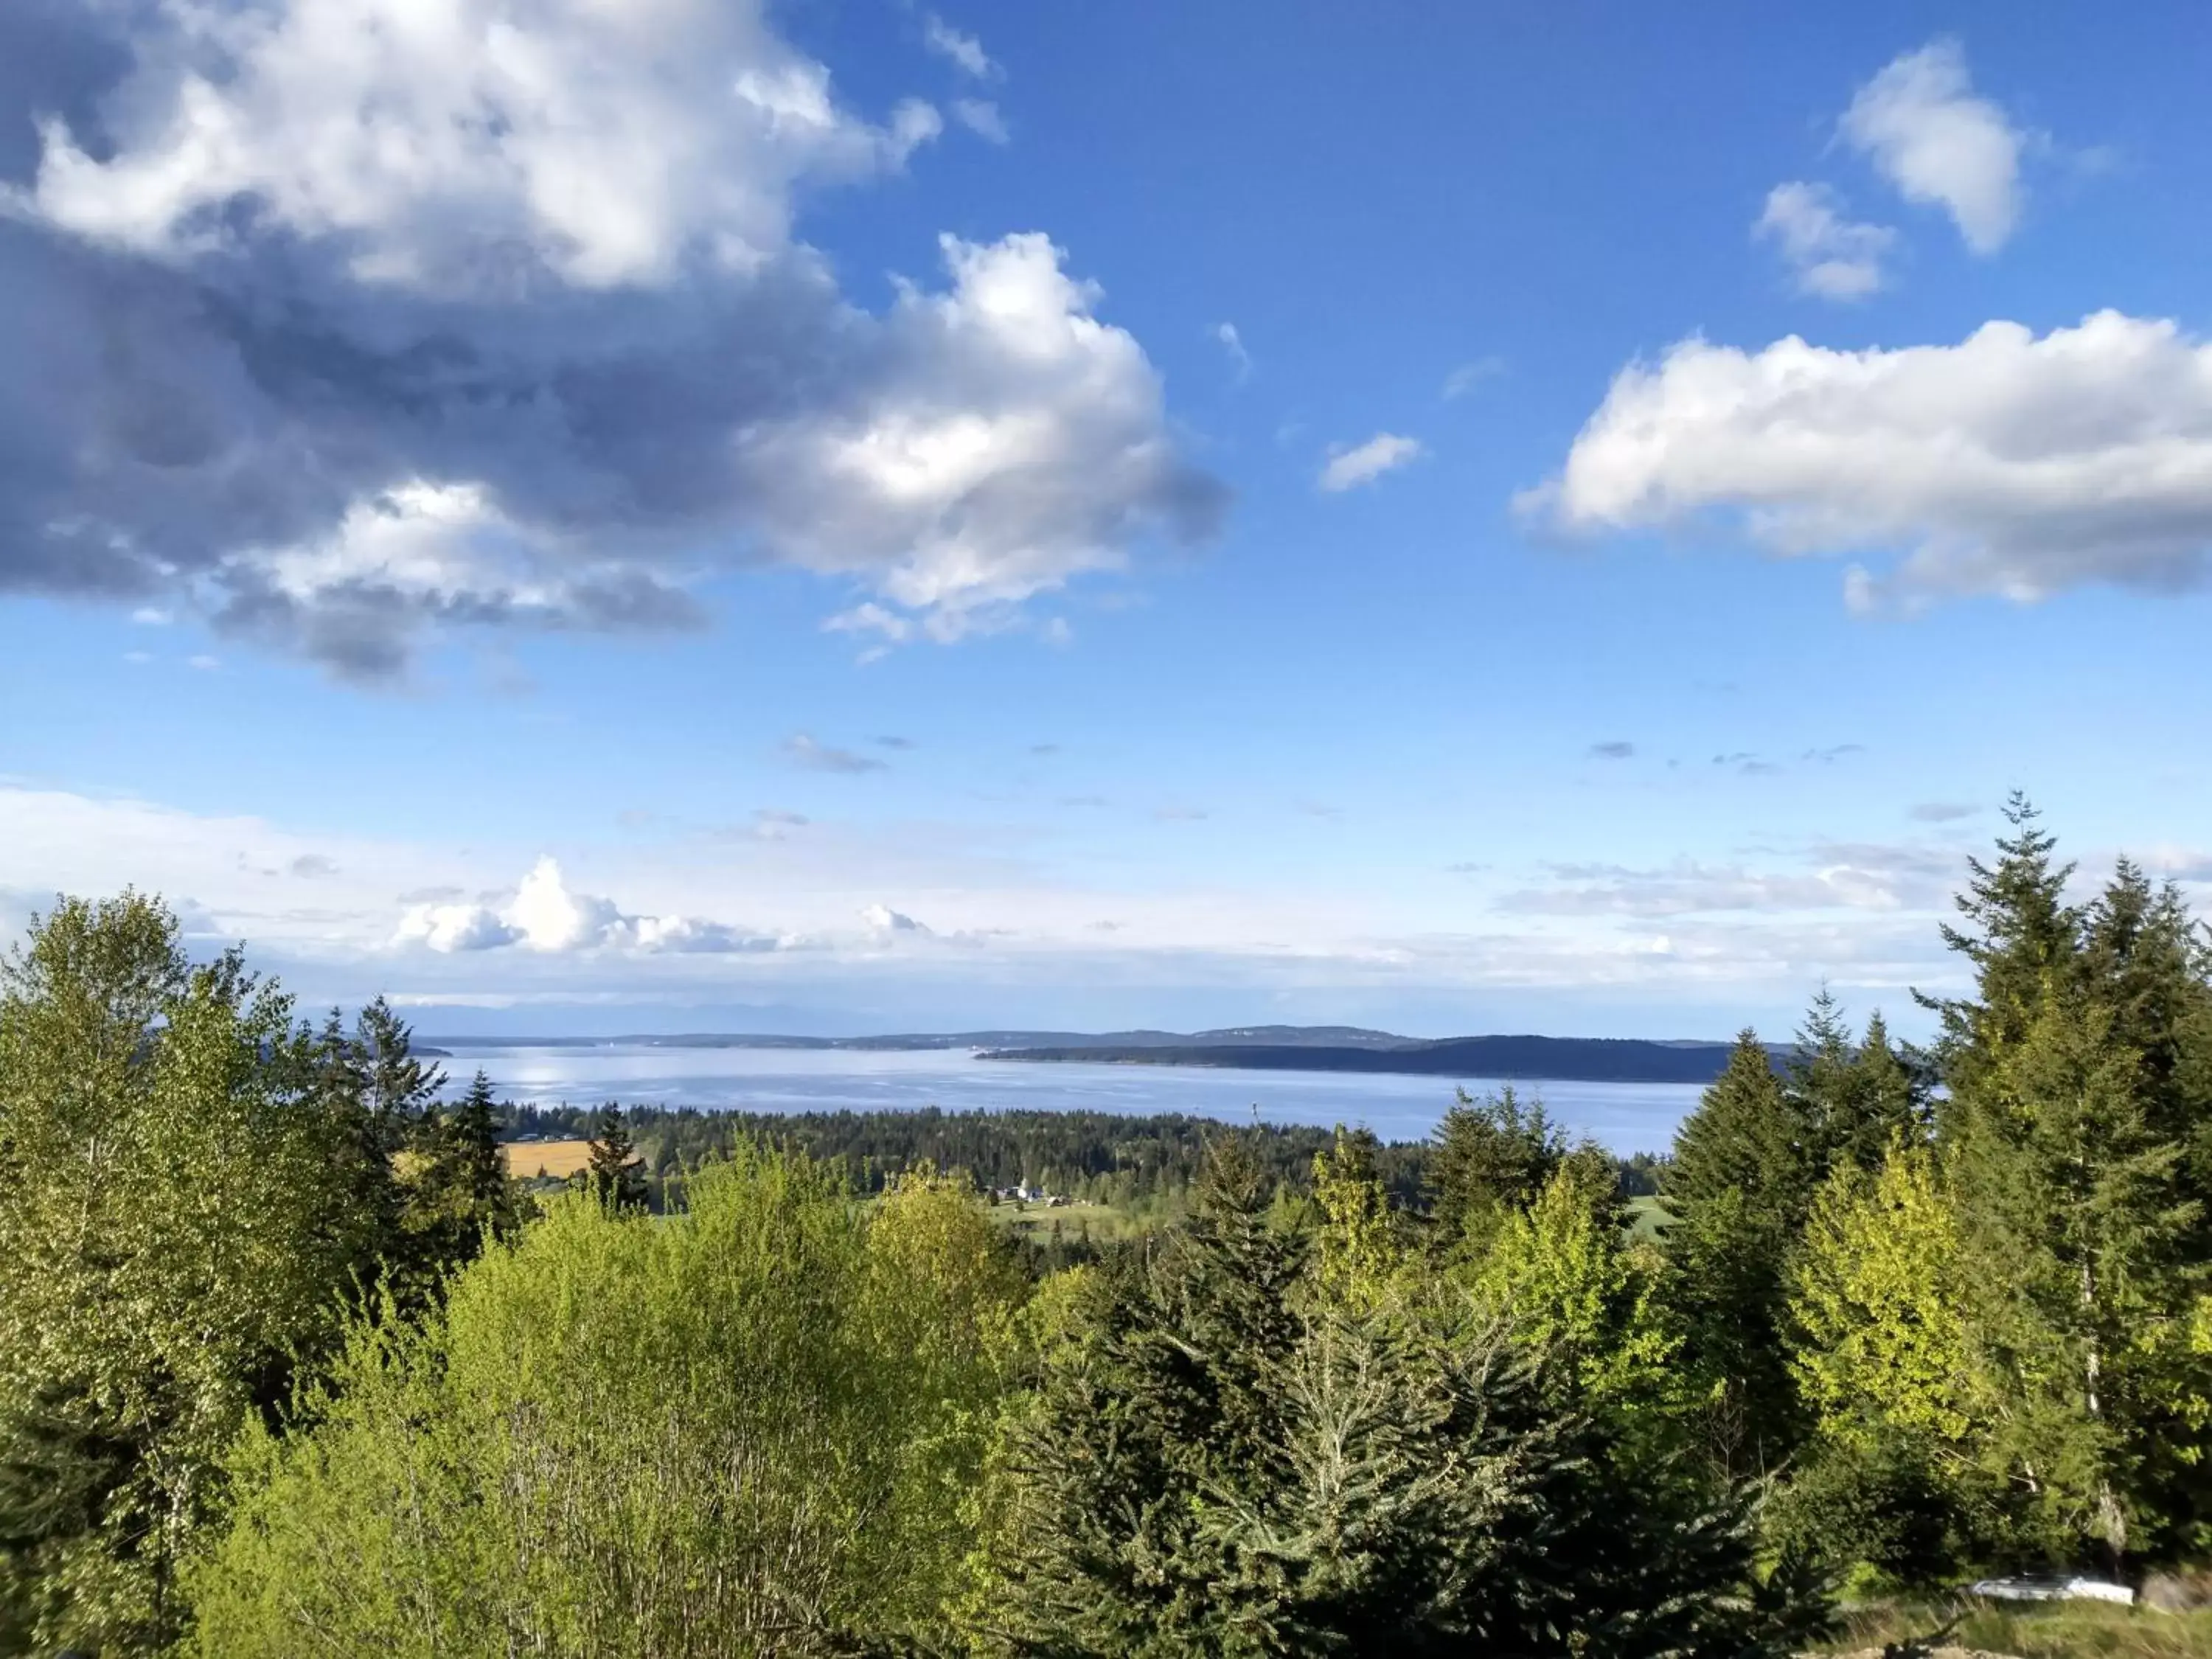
(459, 1193)
(1580, 1296)
(1741, 1177)
(1883, 1350)
(744, 1429)
(613, 1176)
(1228, 1460)
(1361, 1247)
(2013, 1308)
(182, 1216)
(1491, 1157)
(1853, 1100)
(1873, 1325)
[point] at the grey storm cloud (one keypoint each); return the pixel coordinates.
(341, 336)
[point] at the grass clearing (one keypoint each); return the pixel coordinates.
(2067, 1629)
(1035, 1221)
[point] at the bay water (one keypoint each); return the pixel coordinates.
(1626, 1117)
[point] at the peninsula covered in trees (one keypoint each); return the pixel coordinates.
(288, 1366)
(1560, 1060)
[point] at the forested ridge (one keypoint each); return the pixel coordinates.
(288, 1366)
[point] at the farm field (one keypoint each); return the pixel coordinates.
(550, 1160)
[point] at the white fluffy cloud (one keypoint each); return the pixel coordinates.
(1831, 256)
(545, 916)
(882, 918)
(434, 139)
(1011, 442)
(1921, 124)
(1385, 451)
(351, 317)
(2008, 464)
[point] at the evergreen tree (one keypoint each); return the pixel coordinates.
(1741, 1178)
(2150, 964)
(402, 1089)
(1890, 1100)
(1491, 1157)
(2021, 938)
(1852, 1099)
(460, 1189)
(333, 1081)
(2075, 1234)
(1218, 1460)
(615, 1175)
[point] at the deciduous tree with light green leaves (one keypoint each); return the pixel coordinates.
(745, 1429)
(1577, 1291)
(1880, 1344)
(180, 1221)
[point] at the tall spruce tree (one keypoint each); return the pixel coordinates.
(1742, 1175)
(1853, 1098)
(2021, 938)
(402, 1089)
(460, 1188)
(2070, 1137)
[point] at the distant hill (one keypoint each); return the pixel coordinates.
(1563, 1060)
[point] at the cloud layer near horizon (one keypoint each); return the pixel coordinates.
(345, 320)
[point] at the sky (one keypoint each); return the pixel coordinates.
(847, 516)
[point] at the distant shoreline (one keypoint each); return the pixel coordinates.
(1253, 1049)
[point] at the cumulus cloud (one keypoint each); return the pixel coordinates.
(885, 919)
(544, 915)
(1385, 451)
(964, 51)
(2010, 463)
(1920, 123)
(338, 323)
(803, 751)
(1829, 256)
(1011, 442)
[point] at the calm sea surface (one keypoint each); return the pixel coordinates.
(1626, 1116)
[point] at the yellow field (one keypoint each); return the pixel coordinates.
(555, 1160)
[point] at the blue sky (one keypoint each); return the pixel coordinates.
(852, 517)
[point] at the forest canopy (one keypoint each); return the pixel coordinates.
(288, 1365)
